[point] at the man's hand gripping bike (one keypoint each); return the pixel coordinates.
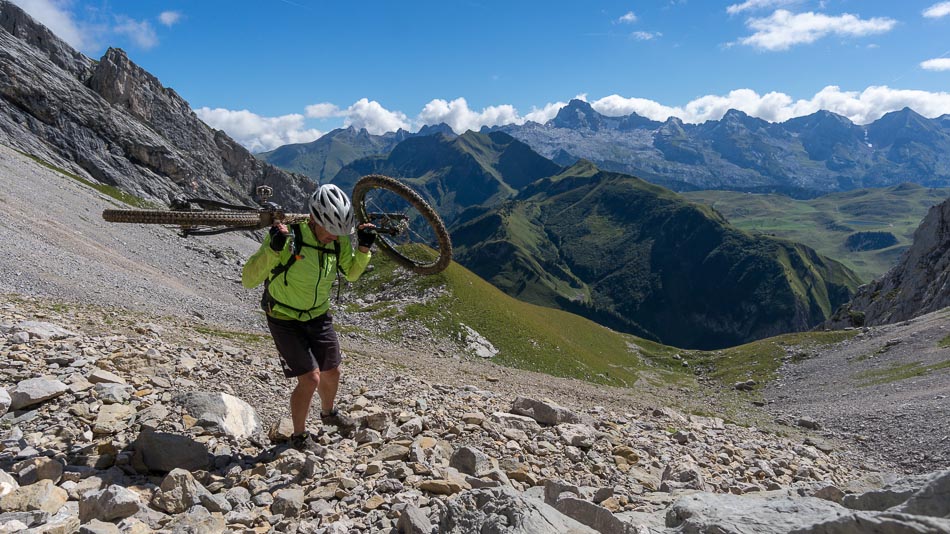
(408, 229)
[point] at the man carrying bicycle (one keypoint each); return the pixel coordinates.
(298, 266)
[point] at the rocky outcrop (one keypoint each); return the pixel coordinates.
(918, 284)
(110, 121)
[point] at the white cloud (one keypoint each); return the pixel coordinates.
(141, 33)
(169, 18)
(938, 10)
(322, 111)
(458, 115)
(860, 107)
(629, 18)
(750, 5)
(784, 29)
(258, 133)
(54, 16)
(544, 114)
(940, 63)
(374, 117)
(645, 36)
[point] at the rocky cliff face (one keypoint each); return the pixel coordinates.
(113, 122)
(920, 283)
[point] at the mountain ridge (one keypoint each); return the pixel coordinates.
(112, 122)
(817, 153)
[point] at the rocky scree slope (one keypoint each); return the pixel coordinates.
(57, 245)
(882, 389)
(114, 123)
(142, 423)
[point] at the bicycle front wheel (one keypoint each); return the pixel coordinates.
(251, 219)
(409, 230)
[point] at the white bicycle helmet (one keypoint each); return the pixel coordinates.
(332, 209)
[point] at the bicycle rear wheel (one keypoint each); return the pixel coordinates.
(252, 219)
(409, 230)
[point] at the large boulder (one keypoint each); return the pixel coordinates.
(504, 509)
(221, 413)
(164, 452)
(547, 412)
(765, 514)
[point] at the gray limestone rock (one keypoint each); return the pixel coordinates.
(44, 330)
(547, 412)
(735, 514)
(164, 452)
(109, 504)
(516, 422)
(96, 526)
(196, 520)
(35, 469)
(288, 502)
(5, 401)
(890, 495)
(34, 391)
(878, 523)
(503, 509)
(592, 515)
(471, 461)
(43, 496)
(8, 484)
(682, 474)
(413, 521)
(933, 499)
(221, 413)
(577, 435)
(180, 491)
(101, 376)
(113, 418)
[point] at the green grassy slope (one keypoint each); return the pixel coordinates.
(641, 259)
(826, 222)
(527, 336)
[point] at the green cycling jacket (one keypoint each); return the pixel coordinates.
(302, 292)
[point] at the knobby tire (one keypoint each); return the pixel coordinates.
(186, 218)
(444, 252)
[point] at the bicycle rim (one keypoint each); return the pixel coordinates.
(422, 244)
(185, 218)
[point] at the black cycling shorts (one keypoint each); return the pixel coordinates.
(305, 345)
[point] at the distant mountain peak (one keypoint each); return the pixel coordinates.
(733, 113)
(578, 114)
(433, 129)
(582, 167)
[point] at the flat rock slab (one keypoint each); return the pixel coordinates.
(43, 330)
(34, 391)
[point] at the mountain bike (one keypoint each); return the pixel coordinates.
(408, 229)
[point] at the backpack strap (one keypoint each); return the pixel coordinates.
(297, 246)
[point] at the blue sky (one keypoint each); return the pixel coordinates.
(272, 72)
